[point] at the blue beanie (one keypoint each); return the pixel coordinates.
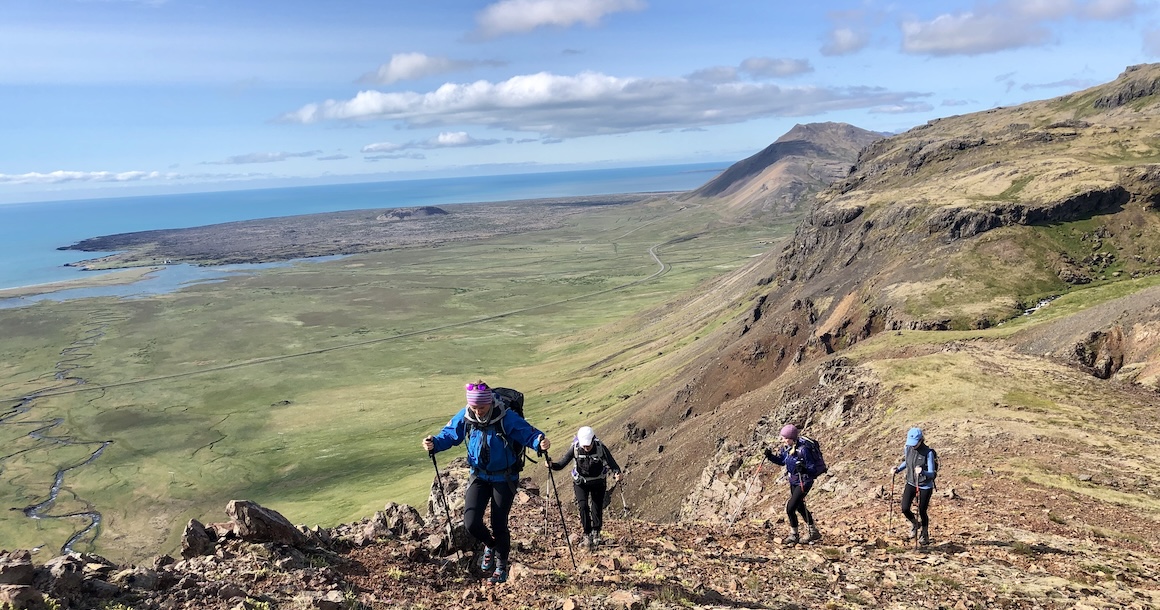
(913, 437)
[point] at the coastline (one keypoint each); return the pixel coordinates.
(112, 278)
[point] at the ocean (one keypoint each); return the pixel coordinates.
(30, 233)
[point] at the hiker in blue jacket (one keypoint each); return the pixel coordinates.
(491, 431)
(801, 463)
(921, 465)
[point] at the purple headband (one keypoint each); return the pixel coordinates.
(478, 395)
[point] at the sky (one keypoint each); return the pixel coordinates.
(102, 98)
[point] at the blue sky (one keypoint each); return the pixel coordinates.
(122, 97)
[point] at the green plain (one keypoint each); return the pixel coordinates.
(307, 388)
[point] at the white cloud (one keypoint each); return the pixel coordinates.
(381, 147)
(718, 74)
(62, 176)
(1008, 24)
(520, 16)
(335, 157)
(904, 108)
(1109, 9)
(955, 102)
(262, 157)
(1039, 9)
(770, 67)
(591, 103)
(970, 34)
(446, 139)
(415, 156)
(1074, 84)
(844, 41)
(411, 66)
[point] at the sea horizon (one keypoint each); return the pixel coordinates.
(31, 234)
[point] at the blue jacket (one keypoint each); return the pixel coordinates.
(491, 456)
(919, 455)
(800, 464)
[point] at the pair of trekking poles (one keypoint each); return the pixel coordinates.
(559, 507)
(890, 509)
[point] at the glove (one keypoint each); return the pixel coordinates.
(768, 454)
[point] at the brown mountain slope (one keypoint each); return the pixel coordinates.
(785, 175)
(959, 224)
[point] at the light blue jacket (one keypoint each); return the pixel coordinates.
(919, 455)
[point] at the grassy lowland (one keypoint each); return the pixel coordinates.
(308, 387)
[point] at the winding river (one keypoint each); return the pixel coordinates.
(46, 437)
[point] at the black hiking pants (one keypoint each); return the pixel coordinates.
(500, 494)
(590, 501)
(797, 504)
(923, 503)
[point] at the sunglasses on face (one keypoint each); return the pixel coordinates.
(476, 386)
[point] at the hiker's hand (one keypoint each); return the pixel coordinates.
(768, 454)
(616, 476)
(544, 444)
(429, 444)
(918, 471)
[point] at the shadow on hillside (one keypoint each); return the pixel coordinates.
(672, 593)
(1023, 548)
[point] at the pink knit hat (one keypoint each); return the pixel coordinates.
(479, 395)
(790, 431)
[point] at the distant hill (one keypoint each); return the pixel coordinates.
(777, 180)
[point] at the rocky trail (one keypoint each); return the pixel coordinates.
(1001, 549)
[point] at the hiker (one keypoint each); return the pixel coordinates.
(921, 465)
(801, 465)
(490, 431)
(589, 480)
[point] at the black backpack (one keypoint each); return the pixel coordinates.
(817, 447)
(588, 463)
(512, 400)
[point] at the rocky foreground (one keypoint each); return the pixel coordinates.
(399, 560)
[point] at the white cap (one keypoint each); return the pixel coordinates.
(585, 435)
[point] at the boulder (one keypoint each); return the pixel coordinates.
(21, 597)
(196, 540)
(256, 523)
(16, 568)
(66, 573)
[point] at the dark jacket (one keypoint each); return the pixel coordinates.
(491, 456)
(919, 455)
(800, 461)
(591, 465)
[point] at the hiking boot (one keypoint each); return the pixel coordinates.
(924, 537)
(815, 535)
(791, 539)
(913, 530)
(596, 539)
(487, 564)
(500, 574)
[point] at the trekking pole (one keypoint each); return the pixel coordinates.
(446, 508)
(890, 504)
(563, 523)
(741, 504)
(918, 500)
